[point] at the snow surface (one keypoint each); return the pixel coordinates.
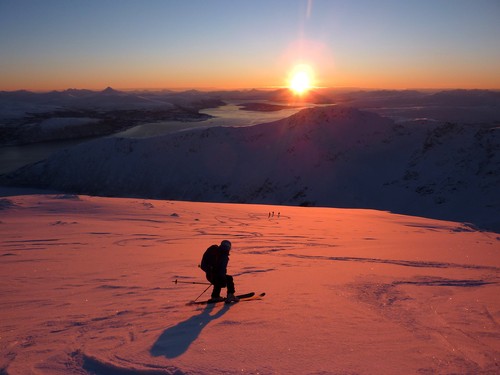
(87, 288)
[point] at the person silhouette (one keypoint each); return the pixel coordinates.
(214, 263)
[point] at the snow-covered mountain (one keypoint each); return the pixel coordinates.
(108, 98)
(462, 106)
(326, 156)
(27, 117)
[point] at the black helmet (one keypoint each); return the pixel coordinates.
(225, 245)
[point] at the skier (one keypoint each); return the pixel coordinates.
(214, 263)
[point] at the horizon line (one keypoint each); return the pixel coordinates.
(265, 88)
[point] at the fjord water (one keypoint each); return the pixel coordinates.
(14, 157)
(230, 114)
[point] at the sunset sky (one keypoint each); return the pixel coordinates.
(58, 44)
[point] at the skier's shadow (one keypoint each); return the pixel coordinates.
(175, 340)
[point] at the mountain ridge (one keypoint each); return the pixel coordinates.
(334, 156)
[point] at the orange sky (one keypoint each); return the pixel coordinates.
(221, 44)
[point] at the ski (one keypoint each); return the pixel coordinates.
(255, 296)
(209, 301)
(241, 297)
(251, 298)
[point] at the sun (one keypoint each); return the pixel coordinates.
(300, 83)
(301, 79)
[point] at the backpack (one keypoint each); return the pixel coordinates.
(209, 259)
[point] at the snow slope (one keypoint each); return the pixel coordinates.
(87, 288)
(325, 156)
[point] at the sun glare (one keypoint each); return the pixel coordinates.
(300, 79)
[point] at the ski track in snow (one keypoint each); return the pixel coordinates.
(87, 289)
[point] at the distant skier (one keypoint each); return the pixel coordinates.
(214, 263)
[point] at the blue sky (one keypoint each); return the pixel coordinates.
(55, 44)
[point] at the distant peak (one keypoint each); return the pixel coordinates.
(109, 90)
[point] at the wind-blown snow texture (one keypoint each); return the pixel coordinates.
(326, 156)
(87, 288)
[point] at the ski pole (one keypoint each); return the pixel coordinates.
(189, 282)
(202, 293)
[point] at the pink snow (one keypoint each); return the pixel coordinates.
(87, 286)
